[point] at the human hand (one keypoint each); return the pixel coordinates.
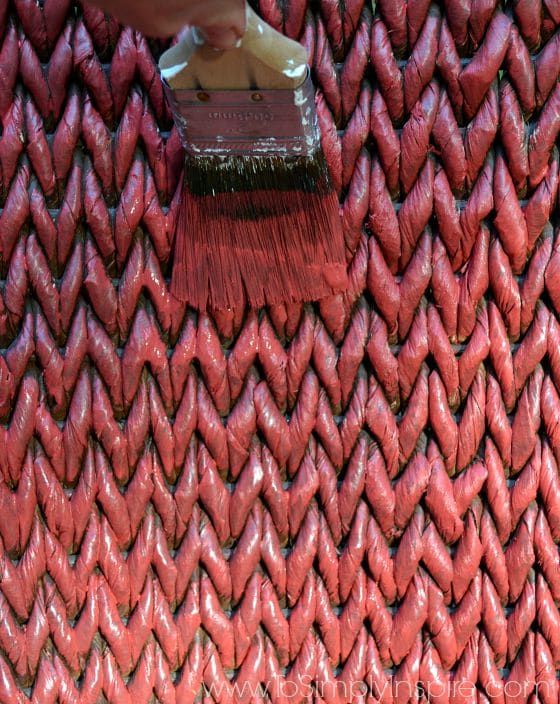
(221, 22)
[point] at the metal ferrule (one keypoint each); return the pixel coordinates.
(246, 122)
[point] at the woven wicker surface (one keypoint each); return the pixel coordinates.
(361, 495)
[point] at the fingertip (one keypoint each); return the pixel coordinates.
(221, 38)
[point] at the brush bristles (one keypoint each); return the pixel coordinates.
(206, 176)
(257, 243)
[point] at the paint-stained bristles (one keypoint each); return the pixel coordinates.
(257, 230)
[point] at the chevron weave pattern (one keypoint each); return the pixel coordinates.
(351, 501)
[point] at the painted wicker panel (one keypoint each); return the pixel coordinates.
(356, 500)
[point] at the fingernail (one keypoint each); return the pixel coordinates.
(222, 38)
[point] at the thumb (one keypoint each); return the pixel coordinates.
(222, 23)
(221, 37)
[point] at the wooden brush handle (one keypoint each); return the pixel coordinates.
(264, 59)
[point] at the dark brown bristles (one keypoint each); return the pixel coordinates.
(257, 231)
